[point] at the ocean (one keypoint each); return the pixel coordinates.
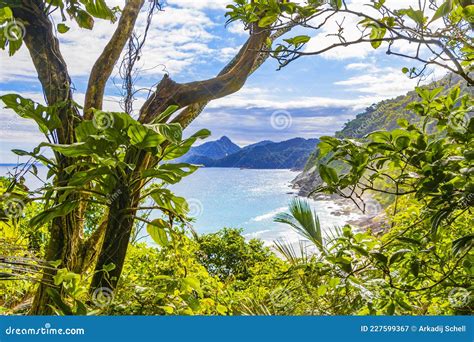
(241, 198)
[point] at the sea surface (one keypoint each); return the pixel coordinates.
(240, 198)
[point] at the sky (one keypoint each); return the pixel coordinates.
(189, 40)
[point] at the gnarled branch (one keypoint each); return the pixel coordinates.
(170, 93)
(104, 65)
(192, 111)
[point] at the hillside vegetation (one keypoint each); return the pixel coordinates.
(381, 116)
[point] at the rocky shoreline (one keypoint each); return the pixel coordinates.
(373, 218)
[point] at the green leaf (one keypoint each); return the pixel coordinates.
(402, 142)
(376, 34)
(109, 267)
(84, 20)
(267, 20)
(398, 255)
(143, 137)
(415, 267)
(170, 173)
(64, 308)
(45, 117)
(298, 40)
(390, 309)
(172, 132)
(462, 244)
(169, 111)
(380, 257)
(100, 147)
(167, 309)
(62, 28)
(328, 174)
(194, 283)
(402, 122)
(177, 150)
(416, 15)
(337, 4)
(99, 9)
(221, 309)
(443, 10)
(49, 214)
(84, 130)
(409, 240)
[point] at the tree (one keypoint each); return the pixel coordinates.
(227, 255)
(108, 158)
(440, 30)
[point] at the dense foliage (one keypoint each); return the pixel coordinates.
(68, 244)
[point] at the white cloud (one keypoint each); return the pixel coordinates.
(326, 36)
(385, 82)
(249, 97)
(178, 37)
(200, 4)
(237, 27)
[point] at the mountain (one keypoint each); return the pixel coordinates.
(380, 116)
(290, 154)
(209, 151)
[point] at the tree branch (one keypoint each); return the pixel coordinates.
(170, 93)
(192, 111)
(104, 65)
(49, 63)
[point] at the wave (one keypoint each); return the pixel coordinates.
(269, 215)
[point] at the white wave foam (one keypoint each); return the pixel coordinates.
(269, 215)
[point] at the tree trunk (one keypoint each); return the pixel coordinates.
(52, 72)
(116, 239)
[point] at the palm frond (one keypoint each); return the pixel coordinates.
(303, 220)
(289, 252)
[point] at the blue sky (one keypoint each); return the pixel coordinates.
(313, 96)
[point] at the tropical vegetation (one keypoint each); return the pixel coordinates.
(68, 247)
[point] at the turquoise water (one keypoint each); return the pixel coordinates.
(247, 199)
